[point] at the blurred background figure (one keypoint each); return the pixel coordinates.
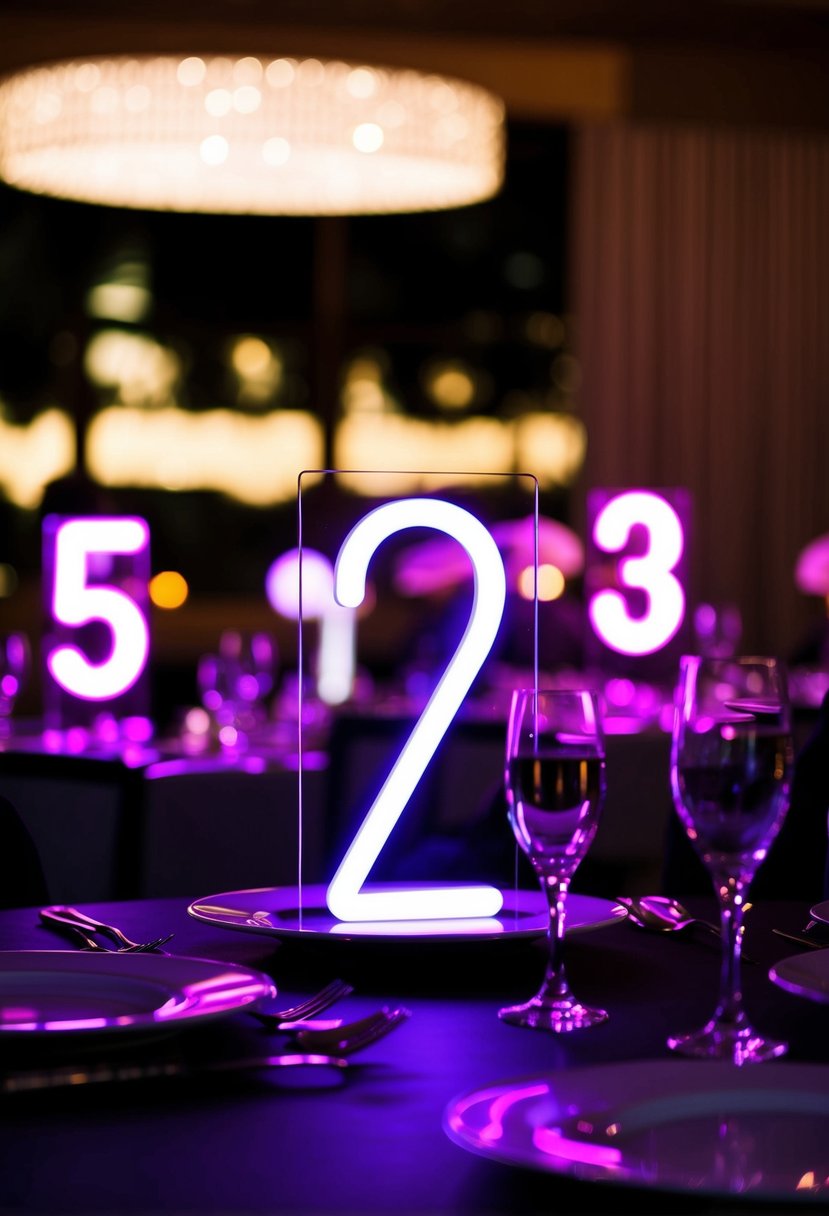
(439, 572)
(718, 629)
(811, 576)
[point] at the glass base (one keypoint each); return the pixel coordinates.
(560, 1016)
(740, 1044)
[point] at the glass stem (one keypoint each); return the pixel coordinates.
(731, 892)
(555, 981)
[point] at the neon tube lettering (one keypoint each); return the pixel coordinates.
(75, 602)
(344, 896)
(651, 573)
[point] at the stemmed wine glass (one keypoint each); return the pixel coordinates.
(555, 784)
(235, 683)
(731, 757)
(15, 665)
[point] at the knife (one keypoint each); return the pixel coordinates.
(66, 1076)
(801, 941)
(71, 928)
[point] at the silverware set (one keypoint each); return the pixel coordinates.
(317, 1048)
(81, 927)
(663, 915)
(312, 1042)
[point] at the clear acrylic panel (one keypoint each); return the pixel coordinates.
(428, 639)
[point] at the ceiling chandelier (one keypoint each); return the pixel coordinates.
(249, 135)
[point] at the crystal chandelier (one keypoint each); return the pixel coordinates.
(249, 135)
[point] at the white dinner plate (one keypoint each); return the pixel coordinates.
(79, 992)
(281, 912)
(804, 975)
(821, 912)
(682, 1125)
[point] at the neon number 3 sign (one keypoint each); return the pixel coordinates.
(652, 573)
(345, 898)
(76, 602)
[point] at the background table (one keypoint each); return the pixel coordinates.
(155, 822)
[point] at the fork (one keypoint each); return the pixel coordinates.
(282, 1019)
(353, 1036)
(318, 1047)
(69, 919)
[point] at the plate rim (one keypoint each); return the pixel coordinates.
(614, 913)
(792, 986)
(79, 962)
(800, 1074)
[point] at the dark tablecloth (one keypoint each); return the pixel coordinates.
(371, 1140)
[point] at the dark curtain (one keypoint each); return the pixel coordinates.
(699, 285)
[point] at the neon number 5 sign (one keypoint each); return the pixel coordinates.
(76, 601)
(345, 898)
(653, 572)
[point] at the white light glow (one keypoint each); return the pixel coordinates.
(482, 445)
(651, 573)
(138, 370)
(368, 137)
(550, 583)
(372, 437)
(192, 134)
(119, 301)
(75, 602)
(344, 897)
(336, 653)
(33, 454)
(553, 445)
(255, 460)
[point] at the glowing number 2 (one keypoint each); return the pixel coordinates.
(651, 573)
(76, 603)
(345, 898)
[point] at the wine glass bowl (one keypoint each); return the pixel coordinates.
(555, 786)
(731, 758)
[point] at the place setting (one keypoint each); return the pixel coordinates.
(126, 1013)
(716, 1122)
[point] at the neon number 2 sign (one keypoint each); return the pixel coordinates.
(345, 898)
(76, 602)
(652, 573)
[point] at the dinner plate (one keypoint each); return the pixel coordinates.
(804, 975)
(79, 992)
(821, 912)
(281, 912)
(681, 1125)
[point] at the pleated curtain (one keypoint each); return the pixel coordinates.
(699, 287)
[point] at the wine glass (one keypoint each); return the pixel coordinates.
(15, 665)
(731, 758)
(555, 785)
(235, 683)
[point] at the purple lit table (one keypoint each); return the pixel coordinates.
(154, 822)
(373, 1143)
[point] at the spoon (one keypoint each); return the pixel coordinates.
(665, 915)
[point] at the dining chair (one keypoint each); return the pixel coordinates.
(22, 881)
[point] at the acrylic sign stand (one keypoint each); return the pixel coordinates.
(96, 638)
(355, 539)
